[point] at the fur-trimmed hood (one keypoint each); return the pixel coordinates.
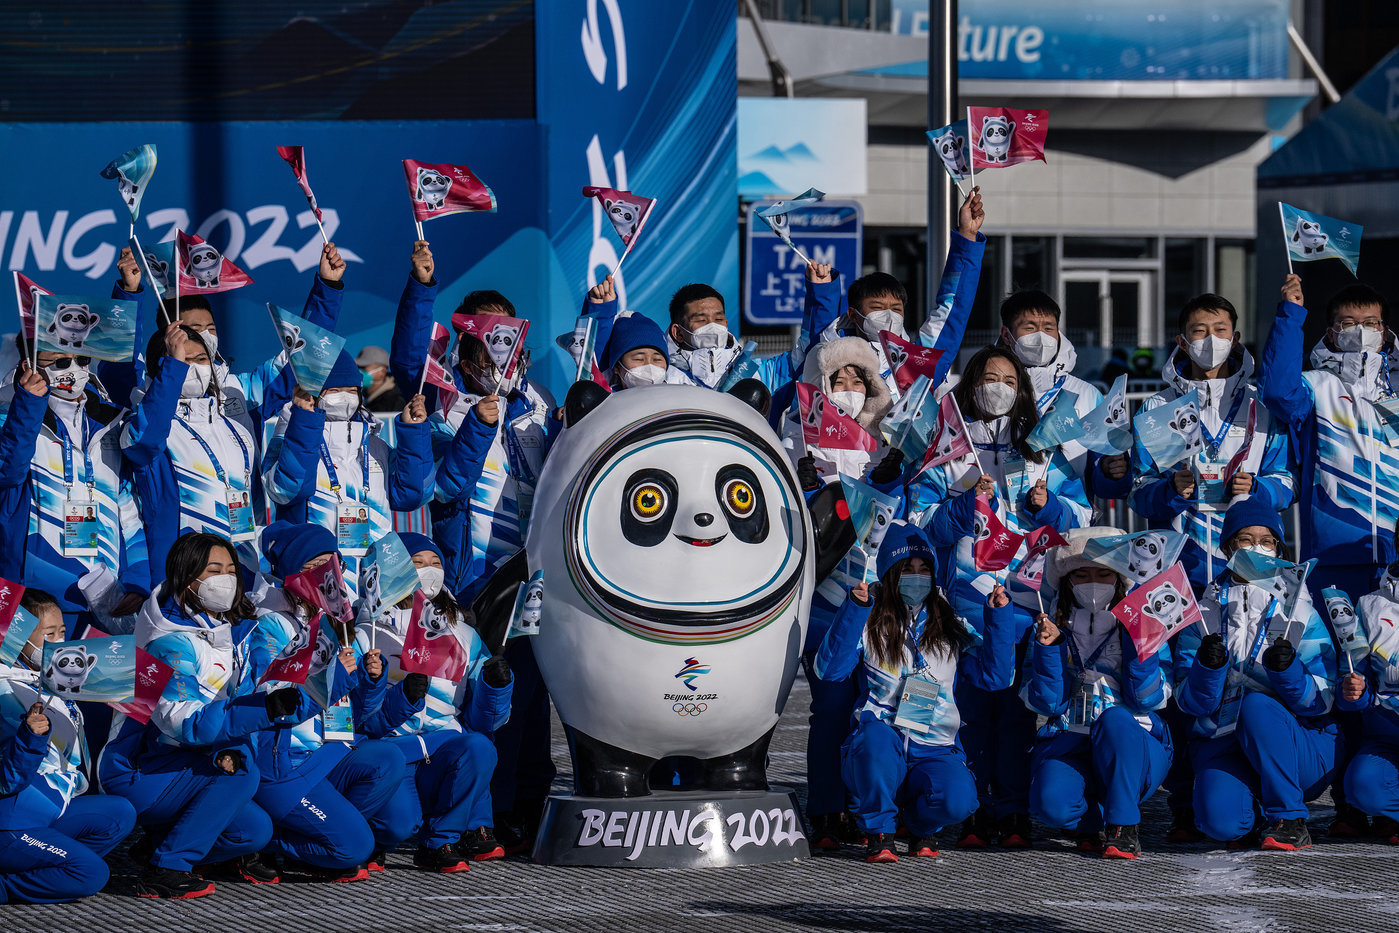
(828, 358)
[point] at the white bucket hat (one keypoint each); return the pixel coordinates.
(1068, 557)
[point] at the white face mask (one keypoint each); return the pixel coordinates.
(871, 324)
(197, 380)
(1036, 348)
(339, 406)
(66, 383)
(648, 375)
(430, 580)
(217, 593)
(1094, 596)
(994, 398)
(1356, 339)
(709, 336)
(1209, 352)
(1262, 549)
(211, 343)
(850, 403)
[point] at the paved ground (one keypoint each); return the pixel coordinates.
(1347, 887)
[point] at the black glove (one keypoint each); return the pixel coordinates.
(889, 468)
(1279, 656)
(807, 475)
(1212, 653)
(496, 672)
(415, 687)
(281, 702)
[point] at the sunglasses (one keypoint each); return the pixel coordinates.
(66, 361)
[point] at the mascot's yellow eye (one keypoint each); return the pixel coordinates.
(648, 502)
(739, 498)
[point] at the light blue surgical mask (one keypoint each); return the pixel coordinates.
(914, 588)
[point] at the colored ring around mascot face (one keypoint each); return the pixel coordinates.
(685, 529)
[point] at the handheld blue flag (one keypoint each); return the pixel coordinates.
(388, 576)
(104, 328)
(1106, 429)
(950, 145)
(133, 171)
(1058, 425)
(311, 349)
(1139, 556)
(1171, 432)
(1315, 236)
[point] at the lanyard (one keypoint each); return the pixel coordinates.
(1049, 394)
(68, 454)
(1262, 623)
(1092, 658)
(1213, 442)
(363, 467)
(916, 635)
(209, 451)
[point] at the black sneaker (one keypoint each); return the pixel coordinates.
(923, 847)
(511, 836)
(1015, 831)
(825, 833)
(378, 861)
(1349, 823)
(1385, 829)
(172, 884)
(1183, 829)
(1092, 843)
(880, 848)
(444, 860)
(977, 832)
(480, 845)
(1121, 842)
(333, 875)
(255, 869)
(1287, 835)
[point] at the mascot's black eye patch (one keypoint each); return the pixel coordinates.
(648, 507)
(741, 500)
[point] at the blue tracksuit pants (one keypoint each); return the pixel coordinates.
(931, 782)
(63, 861)
(832, 703)
(1372, 779)
(446, 794)
(1272, 762)
(203, 813)
(997, 732)
(1082, 781)
(332, 823)
(525, 768)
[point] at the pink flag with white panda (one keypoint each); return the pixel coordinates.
(824, 426)
(322, 587)
(908, 361)
(1030, 572)
(628, 213)
(951, 442)
(1001, 137)
(27, 293)
(503, 336)
(995, 544)
(1158, 609)
(438, 190)
(294, 662)
(203, 270)
(295, 156)
(430, 645)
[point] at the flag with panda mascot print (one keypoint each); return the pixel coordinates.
(133, 171)
(82, 325)
(503, 336)
(999, 137)
(431, 645)
(200, 269)
(438, 190)
(1312, 236)
(1157, 610)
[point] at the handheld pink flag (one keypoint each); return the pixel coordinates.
(1030, 573)
(152, 674)
(1157, 609)
(27, 293)
(1002, 137)
(1236, 462)
(295, 156)
(824, 426)
(504, 338)
(294, 663)
(435, 374)
(908, 361)
(324, 588)
(438, 190)
(202, 269)
(439, 339)
(995, 544)
(628, 213)
(430, 647)
(951, 442)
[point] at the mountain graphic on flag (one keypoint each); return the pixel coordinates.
(311, 349)
(133, 171)
(1171, 432)
(1315, 236)
(1058, 425)
(157, 264)
(999, 137)
(1106, 429)
(86, 325)
(295, 156)
(438, 190)
(1138, 556)
(202, 269)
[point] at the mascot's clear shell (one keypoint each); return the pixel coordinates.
(678, 563)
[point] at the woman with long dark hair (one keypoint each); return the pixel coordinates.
(913, 648)
(1103, 749)
(1023, 486)
(190, 774)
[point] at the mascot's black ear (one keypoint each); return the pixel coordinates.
(493, 605)
(835, 533)
(582, 398)
(754, 394)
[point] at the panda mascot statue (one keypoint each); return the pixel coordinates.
(679, 557)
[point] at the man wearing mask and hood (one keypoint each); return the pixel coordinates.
(1351, 499)
(68, 521)
(329, 464)
(1191, 497)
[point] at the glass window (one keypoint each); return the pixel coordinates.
(1184, 277)
(1117, 247)
(1234, 279)
(1031, 263)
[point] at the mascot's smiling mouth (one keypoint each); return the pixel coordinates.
(701, 542)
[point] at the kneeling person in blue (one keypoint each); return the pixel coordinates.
(1104, 748)
(445, 796)
(1260, 688)
(904, 747)
(1372, 689)
(52, 835)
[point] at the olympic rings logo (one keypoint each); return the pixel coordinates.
(689, 709)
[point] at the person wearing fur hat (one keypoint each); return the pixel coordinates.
(329, 464)
(323, 783)
(1260, 688)
(1104, 748)
(445, 796)
(847, 373)
(912, 648)
(1023, 489)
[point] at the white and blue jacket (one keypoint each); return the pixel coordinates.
(1378, 614)
(39, 776)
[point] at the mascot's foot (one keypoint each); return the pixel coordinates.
(745, 769)
(602, 770)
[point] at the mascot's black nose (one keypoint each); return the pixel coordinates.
(704, 519)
